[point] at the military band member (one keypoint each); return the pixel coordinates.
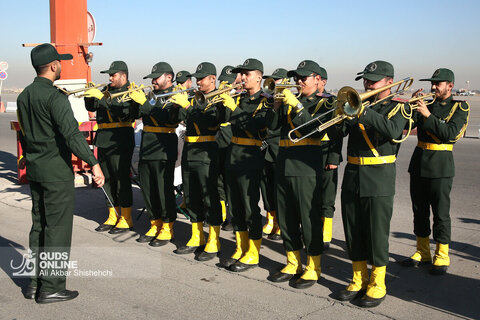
(184, 78)
(115, 142)
(368, 185)
(49, 134)
(158, 153)
(267, 183)
(200, 165)
(244, 165)
(331, 160)
(224, 137)
(432, 169)
(299, 174)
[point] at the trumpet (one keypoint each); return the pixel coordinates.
(165, 97)
(89, 85)
(124, 96)
(275, 89)
(349, 104)
(206, 100)
(414, 101)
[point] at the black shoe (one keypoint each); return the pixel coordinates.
(185, 250)
(119, 230)
(368, 302)
(227, 225)
(227, 263)
(205, 256)
(281, 277)
(143, 238)
(345, 295)
(159, 243)
(30, 292)
(275, 237)
(326, 246)
(409, 263)
(438, 270)
(240, 266)
(303, 284)
(62, 295)
(104, 227)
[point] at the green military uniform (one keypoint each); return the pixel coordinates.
(368, 187)
(158, 154)
(49, 136)
(432, 168)
(115, 141)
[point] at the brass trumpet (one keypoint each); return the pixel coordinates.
(165, 97)
(89, 85)
(124, 96)
(205, 100)
(414, 101)
(348, 104)
(275, 89)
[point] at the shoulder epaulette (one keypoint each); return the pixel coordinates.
(266, 95)
(325, 95)
(396, 99)
(458, 100)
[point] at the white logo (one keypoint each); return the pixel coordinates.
(437, 72)
(179, 74)
(112, 65)
(27, 267)
(200, 66)
(302, 64)
(246, 62)
(276, 71)
(228, 71)
(154, 68)
(371, 67)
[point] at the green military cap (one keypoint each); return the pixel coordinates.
(159, 69)
(115, 67)
(182, 76)
(205, 69)
(376, 71)
(279, 73)
(227, 74)
(249, 64)
(323, 73)
(441, 74)
(46, 53)
(305, 68)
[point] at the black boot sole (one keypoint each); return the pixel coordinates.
(438, 270)
(119, 230)
(158, 242)
(144, 238)
(229, 262)
(410, 263)
(241, 267)
(104, 227)
(281, 277)
(186, 250)
(303, 284)
(345, 295)
(206, 256)
(367, 302)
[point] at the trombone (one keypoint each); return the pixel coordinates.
(349, 104)
(124, 96)
(275, 89)
(89, 85)
(206, 100)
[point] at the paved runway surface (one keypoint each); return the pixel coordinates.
(136, 281)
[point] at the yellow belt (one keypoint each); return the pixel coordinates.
(434, 146)
(199, 138)
(304, 142)
(112, 125)
(247, 141)
(365, 161)
(158, 129)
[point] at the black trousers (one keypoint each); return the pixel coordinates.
(366, 222)
(431, 193)
(115, 165)
(329, 192)
(156, 181)
(267, 186)
(51, 232)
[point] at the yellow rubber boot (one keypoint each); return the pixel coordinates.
(166, 232)
(253, 252)
(198, 238)
(376, 290)
(241, 238)
(311, 274)
(294, 264)
(155, 226)
(359, 282)
(112, 216)
(441, 260)
(125, 221)
(327, 229)
(213, 242)
(421, 256)
(224, 210)
(269, 226)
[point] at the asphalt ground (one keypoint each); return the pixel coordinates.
(120, 278)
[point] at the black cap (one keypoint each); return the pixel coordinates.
(279, 73)
(249, 64)
(227, 74)
(159, 69)
(305, 68)
(205, 69)
(182, 76)
(115, 67)
(442, 74)
(376, 71)
(46, 53)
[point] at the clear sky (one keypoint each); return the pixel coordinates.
(343, 36)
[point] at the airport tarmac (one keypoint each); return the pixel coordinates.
(120, 278)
